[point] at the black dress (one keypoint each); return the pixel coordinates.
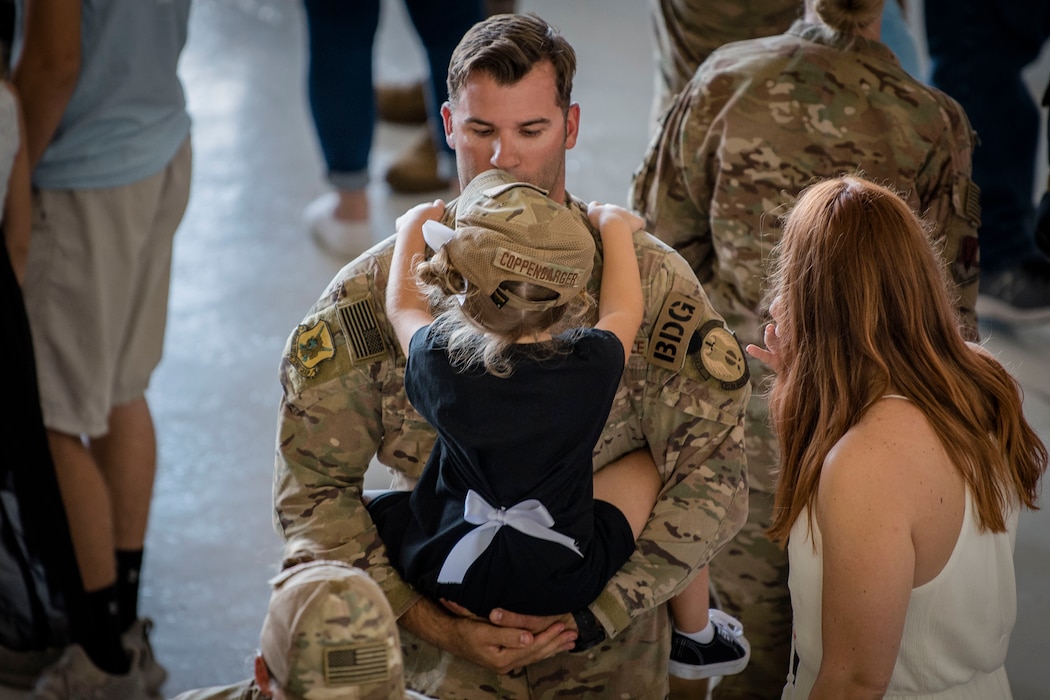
(508, 440)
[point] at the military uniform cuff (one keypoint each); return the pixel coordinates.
(401, 598)
(610, 613)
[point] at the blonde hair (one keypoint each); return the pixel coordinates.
(477, 332)
(848, 16)
(864, 305)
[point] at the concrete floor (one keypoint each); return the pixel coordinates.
(245, 272)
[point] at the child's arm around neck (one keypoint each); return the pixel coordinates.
(620, 302)
(406, 308)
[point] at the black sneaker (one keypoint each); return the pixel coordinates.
(1018, 294)
(726, 654)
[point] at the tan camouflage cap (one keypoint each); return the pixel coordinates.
(330, 634)
(510, 230)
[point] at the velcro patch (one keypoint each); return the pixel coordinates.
(966, 199)
(356, 664)
(669, 342)
(310, 346)
(717, 354)
(361, 329)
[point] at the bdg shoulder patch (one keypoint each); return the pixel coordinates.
(669, 342)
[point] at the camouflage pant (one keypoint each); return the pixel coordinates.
(750, 575)
(749, 578)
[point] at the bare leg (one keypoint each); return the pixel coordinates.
(352, 206)
(689, 608)
(632, 484)
(127, 458)
(87, 503)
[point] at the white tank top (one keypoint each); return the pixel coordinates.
(957, 628)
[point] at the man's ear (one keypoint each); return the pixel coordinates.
(446, 120)
(262, 675)
(572, 125)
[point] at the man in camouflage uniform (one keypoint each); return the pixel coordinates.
(680, 404)
(761, 120)
(329, 632)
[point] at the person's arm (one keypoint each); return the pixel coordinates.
(47, 70)
(691, 426)
(864, 511)
(18, 205)
(405, 306)
(342, 406)
(620, 302)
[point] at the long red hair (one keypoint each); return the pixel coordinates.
(863, 305)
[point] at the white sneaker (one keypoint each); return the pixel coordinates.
(136, 640)
(344, 239)
(74, 677)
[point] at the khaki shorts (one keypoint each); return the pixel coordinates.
(96, 291)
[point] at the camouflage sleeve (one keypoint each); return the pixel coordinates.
(671, 189)
(950, 201)
(338, 369)
(687, 388)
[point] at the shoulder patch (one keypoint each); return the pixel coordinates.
(364, 340)
(669, 342)
(716, 353)
(311, 346)
(966, 199)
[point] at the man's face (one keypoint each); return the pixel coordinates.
(518, 128)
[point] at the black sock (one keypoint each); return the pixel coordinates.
(129, 564)
(96, 630)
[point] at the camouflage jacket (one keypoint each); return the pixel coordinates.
(763, 118)
(687, 31)
(344, 404)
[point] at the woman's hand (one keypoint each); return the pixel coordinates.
(769, 354)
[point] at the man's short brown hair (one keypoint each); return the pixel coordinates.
(507, 47)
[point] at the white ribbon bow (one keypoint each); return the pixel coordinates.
(530, 517)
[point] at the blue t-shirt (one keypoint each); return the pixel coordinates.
(127, 116)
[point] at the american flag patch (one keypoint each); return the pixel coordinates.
(356, 664)
(363, 337)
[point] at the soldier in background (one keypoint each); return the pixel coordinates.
(685, 32)
(761, 120)
(680, 405)
(328, 630)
